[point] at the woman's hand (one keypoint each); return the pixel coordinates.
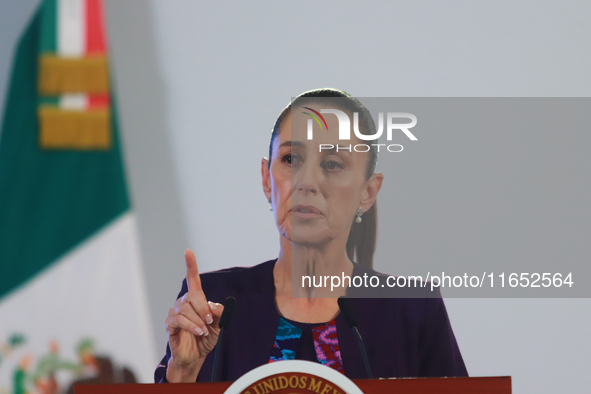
(192, 327)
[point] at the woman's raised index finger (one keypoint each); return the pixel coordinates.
(193, 280)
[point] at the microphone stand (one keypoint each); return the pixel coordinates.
(352, 322)
(224, 323)
(363, 352)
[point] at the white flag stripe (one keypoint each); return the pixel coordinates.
(95, 291)
(71, 27)
(76, 101)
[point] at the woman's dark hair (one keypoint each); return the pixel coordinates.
(361, 243)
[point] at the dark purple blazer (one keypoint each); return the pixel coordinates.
(404, 337)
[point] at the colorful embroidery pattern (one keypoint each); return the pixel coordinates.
(286, 341)
(326, 344)
(327, 347)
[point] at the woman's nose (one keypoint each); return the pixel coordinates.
(305, 179)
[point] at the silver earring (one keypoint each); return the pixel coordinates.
(270, 204)
(358, 215)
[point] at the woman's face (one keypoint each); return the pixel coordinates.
(315, 193)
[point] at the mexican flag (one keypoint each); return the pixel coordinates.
(73, 305)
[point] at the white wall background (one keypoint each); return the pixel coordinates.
(199, 86)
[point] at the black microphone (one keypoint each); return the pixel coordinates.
(229, 305)
(347, 310)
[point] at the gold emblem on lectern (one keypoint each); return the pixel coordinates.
(293, 383)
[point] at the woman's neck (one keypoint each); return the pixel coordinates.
(306, 272)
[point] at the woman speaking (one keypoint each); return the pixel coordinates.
(323, 200)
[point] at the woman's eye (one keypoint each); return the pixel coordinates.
(333, 165)
(291, 159)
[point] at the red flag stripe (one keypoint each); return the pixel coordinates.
(96, 101)
(95, 27)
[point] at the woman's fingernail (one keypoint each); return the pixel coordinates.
(206, 332)
(199, 331)
(208, 319)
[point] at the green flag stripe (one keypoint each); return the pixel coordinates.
(49, 100)
(50, 201)
(48, 26)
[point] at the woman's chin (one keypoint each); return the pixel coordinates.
(306, 238)
(305, 235)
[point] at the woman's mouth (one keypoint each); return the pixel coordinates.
(305, 211)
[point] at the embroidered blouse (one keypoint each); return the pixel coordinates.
(307, 341)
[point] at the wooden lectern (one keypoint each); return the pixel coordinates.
(488, 385)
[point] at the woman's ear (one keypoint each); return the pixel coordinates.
(265, 174)
(372, 188)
